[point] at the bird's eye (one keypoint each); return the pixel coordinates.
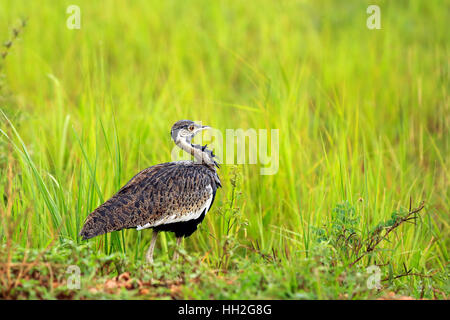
(191, 128)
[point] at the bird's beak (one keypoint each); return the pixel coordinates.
(202, 128)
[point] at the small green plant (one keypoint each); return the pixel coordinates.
(232, 221)
(8, 103)
(345, 245)
(342, 234)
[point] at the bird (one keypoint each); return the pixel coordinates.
(171, 197)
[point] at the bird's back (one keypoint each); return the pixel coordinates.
(162, 194)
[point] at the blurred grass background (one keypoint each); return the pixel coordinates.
(363, 115)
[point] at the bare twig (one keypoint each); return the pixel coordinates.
(376, 237)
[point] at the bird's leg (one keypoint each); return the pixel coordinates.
(149, 255)
(175, 255)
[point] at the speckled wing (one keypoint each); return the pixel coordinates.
(161, 194)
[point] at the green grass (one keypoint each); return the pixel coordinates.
(364, 126)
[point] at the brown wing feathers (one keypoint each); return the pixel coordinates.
(154, 194)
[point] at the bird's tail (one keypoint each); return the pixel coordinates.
(94, 226)
(113, 215)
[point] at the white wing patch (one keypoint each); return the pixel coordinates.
(181, 218)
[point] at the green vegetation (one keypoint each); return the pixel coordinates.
(364, 126)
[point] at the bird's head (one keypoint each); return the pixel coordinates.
(185, 130)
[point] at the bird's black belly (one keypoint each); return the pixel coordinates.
(185, 228)
(182, 229)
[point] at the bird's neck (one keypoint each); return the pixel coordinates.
(201, 154)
